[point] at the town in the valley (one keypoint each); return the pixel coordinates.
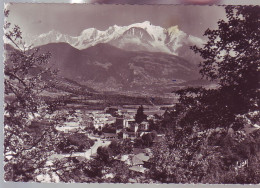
(115, 124)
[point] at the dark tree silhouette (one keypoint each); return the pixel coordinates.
(30, 137)
(103, 154)
(140, 116)
(198, 126)
(232, 58)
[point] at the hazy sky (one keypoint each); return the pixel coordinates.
(72, 19)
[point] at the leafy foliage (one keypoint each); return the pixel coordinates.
(231, 57)
(30, 134)
(205, 141)
(77, 142)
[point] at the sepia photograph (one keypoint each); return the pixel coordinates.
(150, 94)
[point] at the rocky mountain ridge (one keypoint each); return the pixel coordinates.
(138, 36)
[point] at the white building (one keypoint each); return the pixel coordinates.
(100, 120)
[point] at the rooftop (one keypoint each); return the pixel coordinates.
(137, 169)
(110, 134)
(142, 156)
(137, 161)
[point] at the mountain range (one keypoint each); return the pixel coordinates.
(108, 68)
(139, 59)
(135, 37)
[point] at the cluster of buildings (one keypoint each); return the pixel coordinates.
(120, 118)
(138, 160)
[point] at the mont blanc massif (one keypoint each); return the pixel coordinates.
(136, 60)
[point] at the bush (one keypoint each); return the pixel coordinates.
(77, 142)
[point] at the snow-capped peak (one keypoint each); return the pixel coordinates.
(173, 30)
(156, 38)
(51, 32)
(142, 24)
(88, 31)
